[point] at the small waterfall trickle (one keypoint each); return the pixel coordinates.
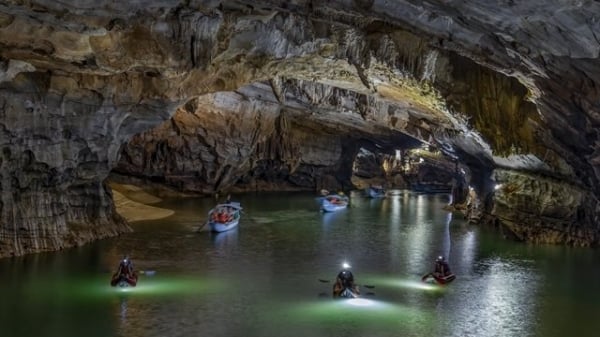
(429, 67)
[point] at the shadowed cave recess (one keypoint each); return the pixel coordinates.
(203, 97)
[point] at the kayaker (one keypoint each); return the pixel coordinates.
(441, 267)
(125, 275)
(344, 280)
(125, 268)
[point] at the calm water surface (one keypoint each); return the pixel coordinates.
(262, 279)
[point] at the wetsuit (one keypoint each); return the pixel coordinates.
(442, 268)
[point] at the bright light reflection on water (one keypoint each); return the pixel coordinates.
(357, 312)
(405, 283)
(166, 286)
(84, 289)
(361, 302)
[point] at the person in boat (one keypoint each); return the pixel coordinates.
(124, 272)
(125, 268)
(442, 268)
(222, 215)
(345, 280)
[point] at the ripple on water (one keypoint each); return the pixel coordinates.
(500, 301)
(350, 317)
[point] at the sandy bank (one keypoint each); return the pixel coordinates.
(132, 203)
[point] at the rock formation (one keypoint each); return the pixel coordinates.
(508, 88)
(254, 139)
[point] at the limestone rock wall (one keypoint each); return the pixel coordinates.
(266, 136)
(368, 165)
(544, 210)
(57, 148)
(80, 78)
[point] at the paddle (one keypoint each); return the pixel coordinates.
(362, 285)
(204, 224)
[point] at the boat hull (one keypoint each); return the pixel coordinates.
(439, 279)
(223, 227)
(329, 205)
(124, 281)
(224, 217)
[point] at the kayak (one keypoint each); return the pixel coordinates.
(438, 278)
(124, 281)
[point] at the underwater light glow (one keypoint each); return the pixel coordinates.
(171, 285)
(409, 284)
(386, 315)
(360, 302)
(419, 285)
(345, 265)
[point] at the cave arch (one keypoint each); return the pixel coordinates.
(74, 83)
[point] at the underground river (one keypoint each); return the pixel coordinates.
(263, 278)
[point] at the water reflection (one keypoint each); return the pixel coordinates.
(225, 240)
(332, 219)
(354, 317)
(501, 299)
(446, 244)
(123, 309)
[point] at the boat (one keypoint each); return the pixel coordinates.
(123, 280)
(224, 217)
(375, 192)
(334, 202)
(438, 278)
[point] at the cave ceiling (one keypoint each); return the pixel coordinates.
(497, 84)
(398, 50)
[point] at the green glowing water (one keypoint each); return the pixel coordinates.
(263, 278)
